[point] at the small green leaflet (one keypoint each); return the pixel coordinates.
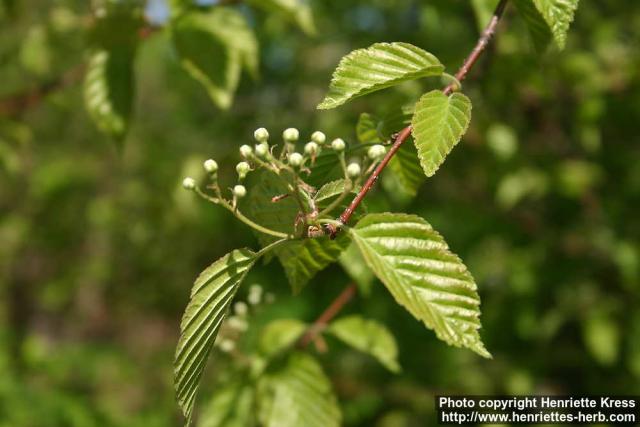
(109, 90)
(380, 66)
(547, 20)
(231, 406)
(368, 336)
(297, 393)
(332, 189)
(298, 11)
(439, 123)
(423, 275)
(279, 335)
(213, 47)
(211, 296)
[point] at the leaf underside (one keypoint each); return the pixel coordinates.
(423, 275)
(380, 66)
(368, 336)
(298, 394)
(438, 124)
(547, 20)
(211, 296)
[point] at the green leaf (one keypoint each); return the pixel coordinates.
(558, 14)
(298, 11)
(368, 336)
(109, 83)
(405, 166)
(378, 67)
(280, 335)
(109, 90)
(367, 129)
(301, 258)
(353, 264)
(211, 296)
(213, 46)
(538, 29)
(332, 189)
(483, 10)
(439, 123)
(297, 394)
(548, 19)
(231, 406)
(423, 275)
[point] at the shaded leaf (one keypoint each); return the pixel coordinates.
(231, 406)
(367, 129)
(213, 46)
(405, 166)
(297, 394)
(368, 336)
(439, 123)
(302, 259)
(211, 296)
(298, 11)
(355, 266)
(423, 275)
(280, 335)
(378, 67)
(483, 10)
(558, 15)
(538, 29)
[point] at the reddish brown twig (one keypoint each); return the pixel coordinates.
(404, 134)
(328, 315)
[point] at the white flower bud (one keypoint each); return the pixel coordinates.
(237, 323)
(318, 137)
(262, 150)
(291, 135)
(295, 159)
(353, 170)
(239, 191)
(261, 135)
(188, 183)
(243, 169)
(211, 166)
(376, 152)
(311, 148)
(338, 144)
(246, 151)
(227, 346)
(240, 308)
(255, 294)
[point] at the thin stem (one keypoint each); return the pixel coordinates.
(404, 134)
(236, 212)
(332, 311)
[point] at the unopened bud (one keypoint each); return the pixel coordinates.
(227, 346)
(338, 144)
(243, 169)
(291, 135)
(240, 308)
(295, 159)
(188, 183)
(262, 150)
(376, 152)
(311, 148)
(318, 137)
(246, 151)
(239, 191)
(353, 170)
(211, 166)
(261, 135)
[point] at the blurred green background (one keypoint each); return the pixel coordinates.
(98, 249)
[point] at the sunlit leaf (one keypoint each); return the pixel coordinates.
(368, 336)
(439, 123)
(378, 67)
(213, 46)
(298, 393)
(423, 275)
(211, 296)
(548, 19)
